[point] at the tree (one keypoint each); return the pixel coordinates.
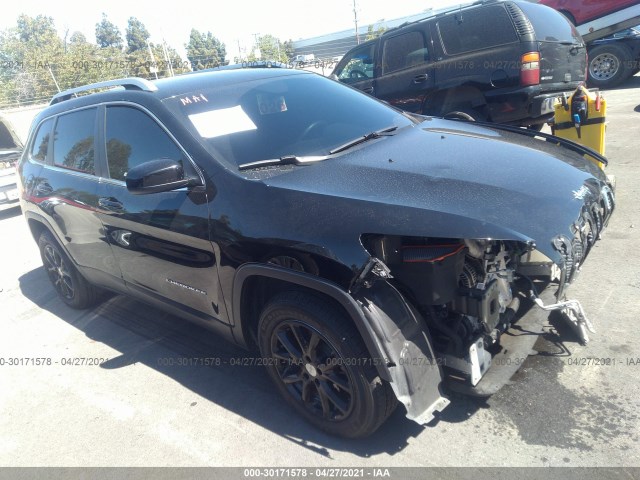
(108, 34)
(37, 63)
(35, 44)
(137, 35)
(204, 50)
(374, 33)
(271, 49)
(77, 38)
(289, 50)
(36, 31)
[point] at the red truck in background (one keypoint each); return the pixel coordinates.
(581, 11)
(613, 56)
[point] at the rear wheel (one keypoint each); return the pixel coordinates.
(71, 287)
(608, 65)
(321, 367)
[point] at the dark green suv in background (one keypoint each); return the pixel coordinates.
(503, 61)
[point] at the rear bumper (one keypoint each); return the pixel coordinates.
(8, 194)
(544, 105)
(526, 106)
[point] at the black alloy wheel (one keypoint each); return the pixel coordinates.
(321, 366)
(58, 272)
(312, 370)
(72, 288)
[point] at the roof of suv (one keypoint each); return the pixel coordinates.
(446, 11)
(171, 86)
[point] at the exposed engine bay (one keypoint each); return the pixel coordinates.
(469, 292)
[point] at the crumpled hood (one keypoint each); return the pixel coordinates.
(453, 179)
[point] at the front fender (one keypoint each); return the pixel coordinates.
(401, 333)
(311, 282)
(395, 334)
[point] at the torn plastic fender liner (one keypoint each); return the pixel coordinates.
(401, 334)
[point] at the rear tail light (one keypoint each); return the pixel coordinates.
(530, 69)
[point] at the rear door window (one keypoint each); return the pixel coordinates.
(476, 29)
(73, 141)
(404, 51)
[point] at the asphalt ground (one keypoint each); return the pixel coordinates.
(569, 405)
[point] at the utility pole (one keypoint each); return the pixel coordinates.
(54, 79)
(355, 20)
(165, 52)
(153, 69)
(258, 52)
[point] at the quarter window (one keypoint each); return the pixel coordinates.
(73, 141)
(477, 29)
(133, 138)
(41, 141)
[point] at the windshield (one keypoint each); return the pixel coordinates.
(297, 115)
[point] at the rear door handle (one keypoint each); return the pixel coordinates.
(110, 203)
(368, 90)
(420, 78)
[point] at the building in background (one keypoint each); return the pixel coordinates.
(332, 45)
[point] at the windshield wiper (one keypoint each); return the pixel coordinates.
(286, 160)
(307, 160)
(369, 136)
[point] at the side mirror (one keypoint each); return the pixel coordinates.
(162, 175)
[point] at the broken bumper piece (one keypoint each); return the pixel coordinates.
(516, 344)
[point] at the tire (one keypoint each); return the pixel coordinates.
(320, 365)
(608, 65)
(467, 114)
(297, 262)
(71, 287)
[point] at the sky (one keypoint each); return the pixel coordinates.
(234, 22)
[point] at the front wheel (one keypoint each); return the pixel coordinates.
(320, 365)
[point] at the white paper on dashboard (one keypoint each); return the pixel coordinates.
(225, 121)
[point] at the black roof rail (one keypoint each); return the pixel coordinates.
(128, 83)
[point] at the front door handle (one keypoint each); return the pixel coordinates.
(420, 78)
(110, 203)
(368, 90)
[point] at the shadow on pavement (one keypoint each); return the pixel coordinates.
(147, 335)
(633, 82)
(10, 212)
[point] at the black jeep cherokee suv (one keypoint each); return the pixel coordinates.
(371, 255)
(503, 61)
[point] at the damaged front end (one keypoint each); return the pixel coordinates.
(468, 311)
